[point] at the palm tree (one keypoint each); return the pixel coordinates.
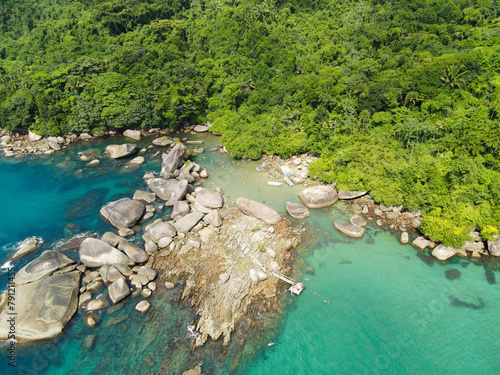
(453, 76)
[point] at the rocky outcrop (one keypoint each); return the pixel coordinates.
(258, 210)
(174, 159)
(45, 265)
(318, 196)
(346, 195)
(349, 230)
(443, 253)
(29, 245)
(168, 189)
(297, 211)
(97, 253)
(123, 213)
(43, 307)
(120, 151)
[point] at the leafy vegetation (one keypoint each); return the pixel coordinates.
(400, 98)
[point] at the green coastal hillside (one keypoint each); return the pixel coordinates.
(401, 98)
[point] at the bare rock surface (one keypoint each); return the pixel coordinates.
(258, 210)
(29, 245)
(217, 276)
(346, 195)
(318, 196)
(174, 159)
(443, 253)
(97, 253)
(45, 265)
(168, 189)
(123, 213)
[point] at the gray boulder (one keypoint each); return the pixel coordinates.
(97, 253)
(162, 142)
(120, 151)
(118, 290)
(173, 190)
(349, 230)
(318, 196)
(134, 134)
(43, 307)
(146, 196)
(209, 199)
(28, 247)
(201, 128)
(421, 243)
(160, 230)
(123, 213)
(45, 265)
(185, 224)
(174, 159)
(135, 253)
(494, 247)
(297, 211)
(214, 217)
(113, 239)
(180, 209)
(258, 210)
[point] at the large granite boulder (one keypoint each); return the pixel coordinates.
(123, 213)
(159, 231)
(120, 151)
(45, 265)
(174, 159)
(185, 224)
(43, 307)
(258, 210)
(118, 290)
(318, 196)
(296, 210)
(443, 253)
(168, 189)
(494, 247)
(209, 199)
(29, 245)
(97, 253)
(349, 230)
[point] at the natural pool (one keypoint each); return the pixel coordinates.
(386, 310)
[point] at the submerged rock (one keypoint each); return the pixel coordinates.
(258, 210)
(297, 211)
(123, 213)
(43, 307)
(318, 196)
(358, 220)
(45, 265)
(86, 205)
(349, 230)
(452, 274)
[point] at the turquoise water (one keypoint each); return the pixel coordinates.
(388, 311)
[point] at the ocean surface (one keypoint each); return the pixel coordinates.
(371, 306)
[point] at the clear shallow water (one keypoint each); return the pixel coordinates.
(388, 311)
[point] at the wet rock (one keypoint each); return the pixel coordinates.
(84, 298)
(174, 159)
(297, 211)
(159, 231)
(96, 304)
(90, 276)
(162, 142)
(123, 213)
(125, 232)
(97, 253)
(258, 210)
(120, 151)
(152, 286)
(318, 196)
(185, 224)
(118, 290)
(135, 162)
(90, 320)
(452, 274)
(93, 163)
(358, 220)
(113, 274)
(44, 309)
(443, 253)
(349, 230)
(45, 265)
(142, 306)
(29, 246)
(135, 253)
(168, 189)
(146, 293)
(133, 134)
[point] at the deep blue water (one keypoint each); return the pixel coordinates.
(388, 312)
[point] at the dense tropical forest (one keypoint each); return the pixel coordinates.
(401, 98)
